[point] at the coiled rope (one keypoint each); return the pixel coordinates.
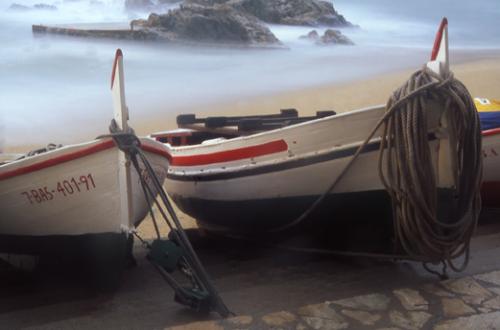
(410, 178)
(406, 169)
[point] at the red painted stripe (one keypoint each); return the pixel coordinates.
(493, 131)
(106, 144)
(230, 155)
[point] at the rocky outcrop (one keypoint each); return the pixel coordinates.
(148, 5)
(213, 24)
(288, 12)
(141, 5)
(38, 6)
(313, 36)
(44, 6)
(328, 38)
(335, 37)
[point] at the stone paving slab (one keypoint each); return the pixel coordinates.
(470, 302)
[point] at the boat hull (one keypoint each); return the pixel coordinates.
(72, 191)
(490, 190)
(260, 215)
(266, 181)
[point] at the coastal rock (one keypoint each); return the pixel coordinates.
(290, 12)
(313, 36)
(44, 6)
(217, 24)
(330, 37)
(334, 37)
(139, 5)
(149, 5)
(38, 6)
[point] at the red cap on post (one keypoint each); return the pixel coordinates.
(437, 41)
(117, 55)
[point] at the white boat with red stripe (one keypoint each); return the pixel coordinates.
(77, 195)
(232, 180)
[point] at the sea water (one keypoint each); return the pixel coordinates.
(56, 89)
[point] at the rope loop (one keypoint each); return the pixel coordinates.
(430, 221)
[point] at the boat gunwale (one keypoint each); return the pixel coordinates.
(66, 154)
(281, 129)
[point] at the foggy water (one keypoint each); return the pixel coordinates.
(57, 88)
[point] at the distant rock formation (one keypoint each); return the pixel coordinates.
(289, 12)
(38, 6)
(313, 35)
(148, 5)
(335, 37)
(44, 6)
(328, 38)
(218, 23)
(236, 22)
(142, 5)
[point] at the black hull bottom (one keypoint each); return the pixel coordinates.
(74, 245)
(261, 215)
(98, 259)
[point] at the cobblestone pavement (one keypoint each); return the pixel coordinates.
(470, 302)
(269, 289)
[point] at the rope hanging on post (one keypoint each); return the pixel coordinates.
(410, 178)
(405, 153)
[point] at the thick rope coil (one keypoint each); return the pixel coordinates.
(407, 169)
(405, 153)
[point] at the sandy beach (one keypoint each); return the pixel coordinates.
(482, 78)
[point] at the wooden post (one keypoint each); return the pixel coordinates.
(121, 117)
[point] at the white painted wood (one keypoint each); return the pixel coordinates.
(441, 64)
(86, 212)
(121, 117)
(306, 140)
